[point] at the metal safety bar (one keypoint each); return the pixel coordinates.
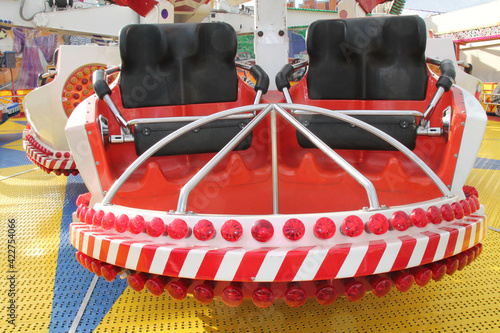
(346, 166)
(384, 136)
(195, 180)
(169, 138)
(273, 109)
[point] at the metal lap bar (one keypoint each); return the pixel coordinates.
(384, 136)
(358, 176)
(195, 180)
(169, 138)
(281, 109)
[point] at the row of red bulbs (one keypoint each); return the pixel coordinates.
(293, 229)
(47, 152)
(295, 295)
(58, 172)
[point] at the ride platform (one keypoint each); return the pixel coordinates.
(52, 292)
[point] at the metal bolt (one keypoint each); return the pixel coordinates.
(463, 124)
(146, 131)
(196, 130)
(449, 186)
(97, 163)
(456, 155)
(281, 33)
(89, 132)
(260, 33)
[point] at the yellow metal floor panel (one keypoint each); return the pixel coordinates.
(49, 290)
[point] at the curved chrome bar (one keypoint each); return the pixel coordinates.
(195, 180)
(169, 138)
(358, 176)
(375, 131)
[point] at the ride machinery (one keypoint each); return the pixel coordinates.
(350, 181)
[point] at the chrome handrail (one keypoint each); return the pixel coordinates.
(384, 136)
(346, 166)
(273, 109)
(195, 180)
(169, 138)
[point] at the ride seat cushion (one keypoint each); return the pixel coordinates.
(378, 58)
(177, 64)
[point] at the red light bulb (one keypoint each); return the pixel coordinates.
(419, 218)
(462, 261)
(451, 265)
(178, 289)
(121, 223)
(231, 230)
(403, 280)
(177, 229)
(324, 228)
(262, 230)
(352, 226)
(108, 221)
(422, 275)
(326, 294)
(204, 230)
(438, 270)
(381, 285)
(137, 281)
(232, 295)
(136, 224)
(155, 227)
(354, 290)
(263, 297)
(156, 284)
(378, 224)
(89, 215)
(295, 296)
(400, 221)
(204, 293)
(109, 272)
(294, 229)
(97, 219)
(472, 205)
(466, 207)
(434, 215)
(448, 213)
(97, 267)
(458, 210)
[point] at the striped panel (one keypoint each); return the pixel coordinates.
(278, 264)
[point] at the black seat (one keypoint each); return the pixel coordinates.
(177, 64)
(380, 58)
(165, 65)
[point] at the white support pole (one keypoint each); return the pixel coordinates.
(271, 37)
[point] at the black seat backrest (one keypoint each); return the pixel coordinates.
(177, 64)
(377, 58)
